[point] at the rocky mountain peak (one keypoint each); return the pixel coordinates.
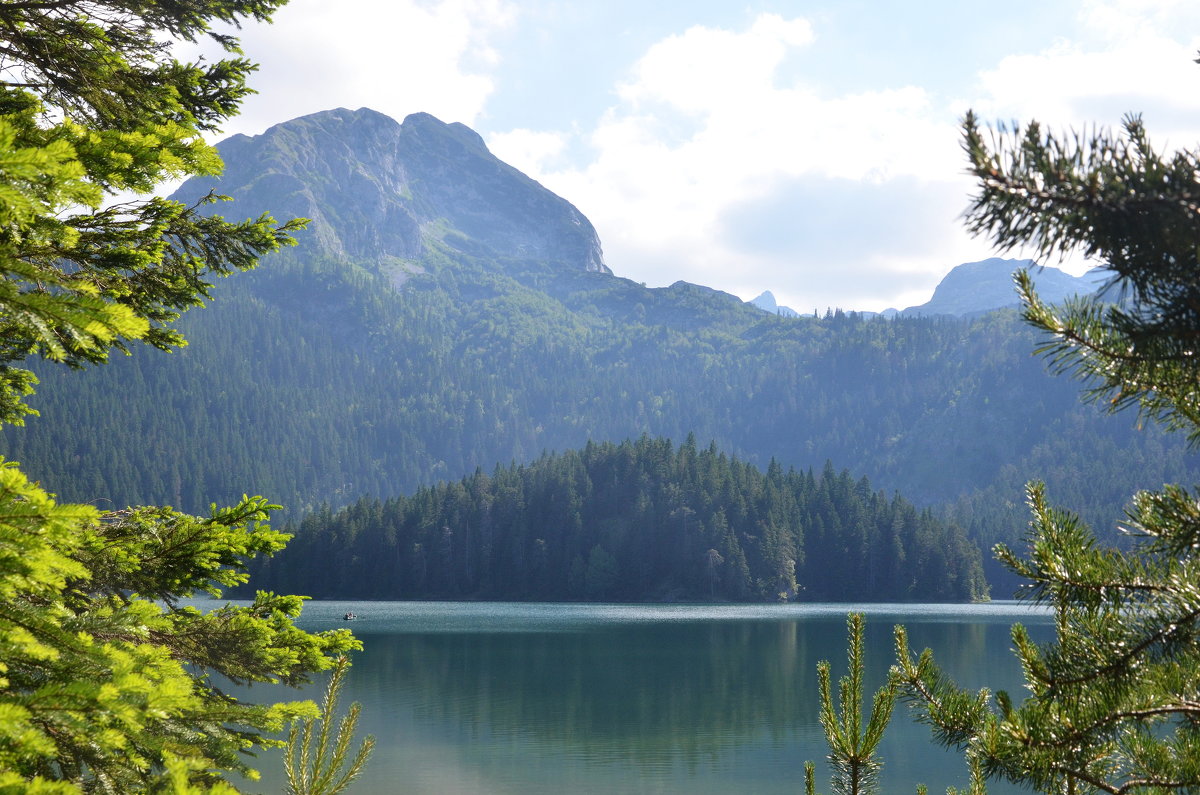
(375, 189)
(975, 287)
(767, 303)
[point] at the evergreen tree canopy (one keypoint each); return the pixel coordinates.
(1114, 702)
(643, 520)
(104, 674)
(92, 105)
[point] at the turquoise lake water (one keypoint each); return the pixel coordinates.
(572, 698)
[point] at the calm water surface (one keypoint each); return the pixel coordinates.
(554, 698)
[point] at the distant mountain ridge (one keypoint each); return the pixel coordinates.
(375, 189)
(766, 302)
(974, 288)
(977, 287)
(384, 191)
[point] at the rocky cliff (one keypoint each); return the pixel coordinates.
(376, 189)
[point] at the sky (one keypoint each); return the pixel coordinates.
(810, 148)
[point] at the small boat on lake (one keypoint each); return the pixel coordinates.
(349, 617)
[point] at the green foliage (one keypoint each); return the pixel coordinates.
(1114, 702)
(91, 104)
(1116, 199)
(319, 764)
(851, 747)
(640, 520)
(110, 65)
(95, 683)
(108, 680)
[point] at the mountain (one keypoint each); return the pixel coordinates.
(975, 287)
(766, 302)
(446, 313)
(375, 190)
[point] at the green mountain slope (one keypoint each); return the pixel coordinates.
(447, 313)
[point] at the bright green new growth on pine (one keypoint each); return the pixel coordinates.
(851, 747)
(107, 679)
(318, 761)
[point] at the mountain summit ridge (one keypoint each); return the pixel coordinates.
(387, 192)
(378, 189)
(976, 287)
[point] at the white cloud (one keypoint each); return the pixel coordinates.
(1115, 20)
(1131, 56)
(703, 127)
(705, 68)
(536, 150)
(395, 56)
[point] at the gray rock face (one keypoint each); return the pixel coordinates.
(767, 303)
(374, 188)
(975, 287)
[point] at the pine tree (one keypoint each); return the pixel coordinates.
(105, 676)
(91, 105)
(1114, 700)
(320, 763)
(851, 745)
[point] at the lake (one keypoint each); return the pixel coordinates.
(575, 698)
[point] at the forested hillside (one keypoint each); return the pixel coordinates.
(636, 521)
(377, 391)
(342, 369)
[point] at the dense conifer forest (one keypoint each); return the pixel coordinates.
(641, 520)
(319, 383)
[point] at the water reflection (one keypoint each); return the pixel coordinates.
(499, 699)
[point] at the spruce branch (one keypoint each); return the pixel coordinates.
(320, 763)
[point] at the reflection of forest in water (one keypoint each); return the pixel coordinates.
(652, 693)
(537, 699)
